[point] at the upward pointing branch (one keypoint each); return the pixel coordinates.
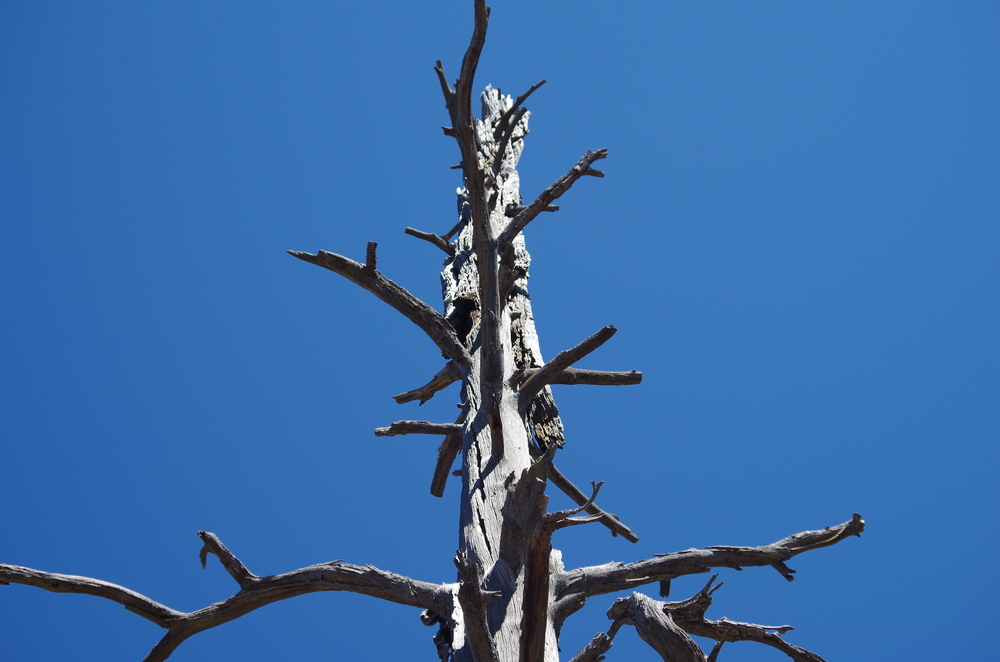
(560, 362)
(418, 312)
(560, 186)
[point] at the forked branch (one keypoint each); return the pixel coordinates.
(418, 312)
(255, 592)
(557, 478)
(689, 615)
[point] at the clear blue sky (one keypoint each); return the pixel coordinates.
(797, 238)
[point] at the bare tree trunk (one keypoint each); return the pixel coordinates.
(512, 593)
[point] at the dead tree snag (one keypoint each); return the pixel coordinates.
(512, 593)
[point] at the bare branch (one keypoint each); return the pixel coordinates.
(447, 452)
(590, 377)
(56, 583)
(607, 519)
(505, 119)
(560, 362)
(254, 594)
(562, 518)
(447, 376)
(565, 607)
(595, 650)
(611, 577)
(498, 158)
(418, 312)
(233, 565)
(418, 427)
(560, 186)
(690, 616)
(370, 257)
(438, 241)
(513, 210)
(449, 94)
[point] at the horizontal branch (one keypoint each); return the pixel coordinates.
(564, 359)
(611, 577)
(418, 427)
(590, 377)
(418, 312)
(560, 186)
(447, 376)
(513, 210)
(255, 593)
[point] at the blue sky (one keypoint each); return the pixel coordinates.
(797, 239)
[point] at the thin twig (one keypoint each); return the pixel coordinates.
(562, 518)
(607, 519)
(505, 119)
(498, 159)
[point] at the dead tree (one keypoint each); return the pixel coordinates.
(512, 593)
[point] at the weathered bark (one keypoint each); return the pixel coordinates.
(512, 593)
